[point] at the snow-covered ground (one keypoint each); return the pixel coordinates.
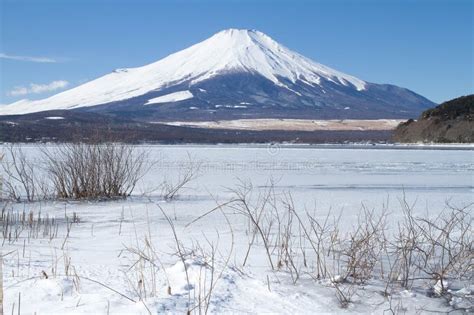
(121, 257)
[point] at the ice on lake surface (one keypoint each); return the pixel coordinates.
(336, 179)
(331, 176)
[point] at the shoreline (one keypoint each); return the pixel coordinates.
(275, 145)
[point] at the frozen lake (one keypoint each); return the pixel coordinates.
(331, 176)
(340, 179)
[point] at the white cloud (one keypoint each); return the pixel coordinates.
(28, 58)
(34, 88)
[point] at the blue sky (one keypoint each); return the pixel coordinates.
(47, 46)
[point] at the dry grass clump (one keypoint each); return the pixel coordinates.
(15, 224)
(438, 249)
(74, 171)
(105, 170)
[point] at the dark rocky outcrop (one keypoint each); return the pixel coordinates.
(450, 122)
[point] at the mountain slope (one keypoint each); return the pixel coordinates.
(233, 73)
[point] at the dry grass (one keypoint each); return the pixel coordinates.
(421, 251)
(74, 171)
(106, 170)
(14, 225)
(22, 178)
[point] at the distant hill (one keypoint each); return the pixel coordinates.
(451, 121)
(66, 125)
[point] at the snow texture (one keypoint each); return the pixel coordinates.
(172, 97)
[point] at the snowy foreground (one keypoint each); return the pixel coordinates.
(122, 256)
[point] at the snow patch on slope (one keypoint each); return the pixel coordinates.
(54, 118)
(172, 97)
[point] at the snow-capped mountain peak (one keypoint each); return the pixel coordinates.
(231, 50)
(253, 51)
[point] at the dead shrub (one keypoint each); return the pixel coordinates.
(364, 247)
(446, 251)
(91, 171)
(22, 176)
(190, 171)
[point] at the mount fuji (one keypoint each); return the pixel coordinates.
(233, 74)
